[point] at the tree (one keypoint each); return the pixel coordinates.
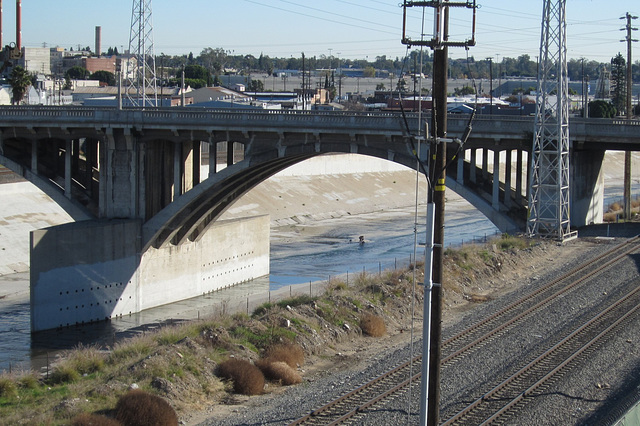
(77, 73)
(196, 72)
(256, 86)
(105, 77)
(380, 86)
(619, 83)
(601, 109)
(369, 71)
(464, 91)
(19, 81)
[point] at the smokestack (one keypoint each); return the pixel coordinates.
(98, 41)
(19, 25)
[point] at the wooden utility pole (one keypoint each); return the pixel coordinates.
(627, 154)
(430, 403)
(437, 170)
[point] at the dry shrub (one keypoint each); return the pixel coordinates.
(86, 419)
(609, 217)
(289, 353)
(142, 408)
(372, 325)
(615, 207)
(247, 378)
(279, 371)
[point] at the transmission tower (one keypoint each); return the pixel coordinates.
(549, 191)
(142, 89)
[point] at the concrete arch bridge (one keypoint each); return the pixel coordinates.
(131, 178)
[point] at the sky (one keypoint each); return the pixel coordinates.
(355, 29)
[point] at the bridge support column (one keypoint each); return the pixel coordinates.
(485, 164)
(34, 157)
(229, 153)
(519, 176)
(495, 193)
(460, 169)
(213, 156)
(119, 176)
(507, 179)
(587, 187)
(472, 166)
(177, 170)
(67, 168)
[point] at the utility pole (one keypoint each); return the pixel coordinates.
(432, 330)
(490, 85)
(627, 154)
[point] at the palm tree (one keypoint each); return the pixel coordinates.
(19, 80)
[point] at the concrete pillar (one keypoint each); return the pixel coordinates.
(34, 156)
(177, 170)
(118, 164)
(495, 193)
(472, 166)
(196, 155)
(229, 153)
(460, 169)
(67, 169)
(507, 179)
(485, 164)
(213, 156)
(75, 158)
(519, 172)
(586, 187)
(187, 166)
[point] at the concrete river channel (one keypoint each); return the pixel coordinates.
(304, 255)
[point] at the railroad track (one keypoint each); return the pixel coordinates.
(460, 345)
(503, 400)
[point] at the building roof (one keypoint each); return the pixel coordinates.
(208, 94)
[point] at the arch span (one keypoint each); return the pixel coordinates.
(189, 215)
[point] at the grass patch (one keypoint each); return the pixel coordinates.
(508, 242)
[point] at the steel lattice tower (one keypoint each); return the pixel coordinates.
(549, 180)
(142, 89)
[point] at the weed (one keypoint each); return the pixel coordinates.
(372, 325)
(63, 374)
(508, 242)
(8, 388)
(262, 309)
(247, 378)
(142, 408)
(86, 419)
(86, 360)
(291, 354)
(279, 371)
(296, 301)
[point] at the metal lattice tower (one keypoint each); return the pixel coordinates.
(549, 191)
(142, 89)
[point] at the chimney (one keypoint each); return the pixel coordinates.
(98, 41)
(19, 25)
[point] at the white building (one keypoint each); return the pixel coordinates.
(36, 60)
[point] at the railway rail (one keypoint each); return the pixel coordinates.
(462, 344)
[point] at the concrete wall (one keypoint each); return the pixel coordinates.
(92, 271)
(228, 253)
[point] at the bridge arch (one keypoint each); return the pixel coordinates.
(189, 215)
